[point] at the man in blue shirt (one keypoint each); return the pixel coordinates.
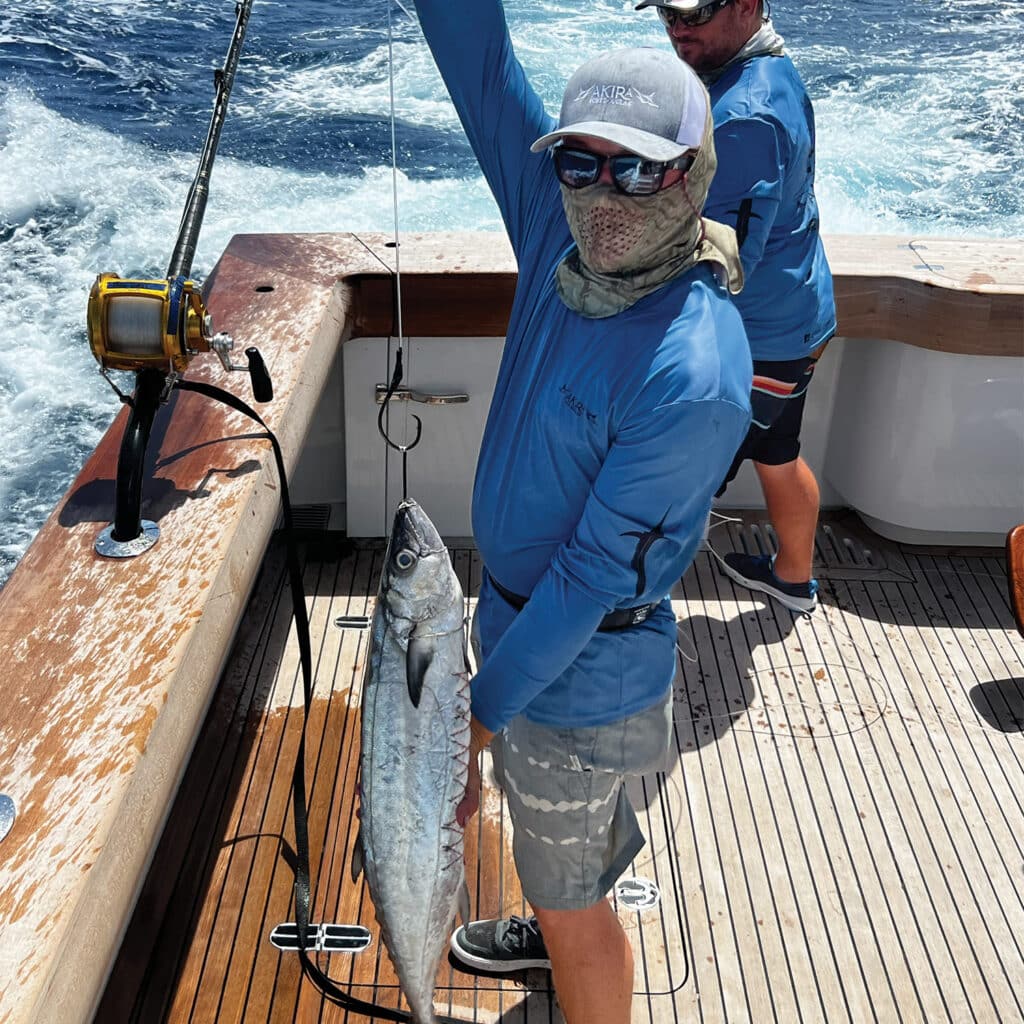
(622, 394)
(764, 136)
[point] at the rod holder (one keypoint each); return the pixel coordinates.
(129, 535)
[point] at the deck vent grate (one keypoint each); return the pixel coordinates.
(839, 553)
(311, 517)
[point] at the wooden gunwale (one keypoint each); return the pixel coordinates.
(109, 666)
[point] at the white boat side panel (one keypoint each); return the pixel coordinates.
(929, 445)
(442, 465)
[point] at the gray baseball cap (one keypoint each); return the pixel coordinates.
(686, 6)
(645, 100)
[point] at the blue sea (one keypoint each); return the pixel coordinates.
(105, 104)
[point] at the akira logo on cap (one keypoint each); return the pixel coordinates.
(618, 94)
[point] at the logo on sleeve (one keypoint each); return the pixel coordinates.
(645, 541)
(743, 215)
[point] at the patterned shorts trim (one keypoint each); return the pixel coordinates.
(777, 399)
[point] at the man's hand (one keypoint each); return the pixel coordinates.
(480, 737)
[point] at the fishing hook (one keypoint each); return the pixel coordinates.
(396, 379)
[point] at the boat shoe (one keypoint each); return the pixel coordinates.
(757, 572)
(510, 944)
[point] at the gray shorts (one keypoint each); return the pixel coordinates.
(575, 831)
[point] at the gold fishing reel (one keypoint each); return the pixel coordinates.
(147, 324)
(137, 324)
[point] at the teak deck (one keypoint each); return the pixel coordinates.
(838, 836)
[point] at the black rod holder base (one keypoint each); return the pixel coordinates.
(129, 534)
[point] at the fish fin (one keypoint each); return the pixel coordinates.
(418, 656)
(464, 903)
(357, 856)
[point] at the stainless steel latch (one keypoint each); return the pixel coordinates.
(409, 395)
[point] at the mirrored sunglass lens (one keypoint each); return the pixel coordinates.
(637, 177)
(699, 17)
(576, 169)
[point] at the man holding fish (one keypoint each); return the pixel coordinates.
(622, 395)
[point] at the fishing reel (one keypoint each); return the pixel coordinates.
(137, 324)
(154, 328)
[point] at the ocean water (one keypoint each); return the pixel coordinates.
(105, 104)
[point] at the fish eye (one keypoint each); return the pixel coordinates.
(405, 560)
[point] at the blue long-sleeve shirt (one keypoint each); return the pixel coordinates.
(764, 188)
(606, 438)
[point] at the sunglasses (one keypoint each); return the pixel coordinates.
(671, 17)
(631, 174)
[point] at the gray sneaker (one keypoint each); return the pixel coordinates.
(511, 944)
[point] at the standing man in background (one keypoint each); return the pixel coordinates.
(764, 187)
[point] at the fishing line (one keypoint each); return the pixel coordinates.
(403, 342)
(705, 546)
(326, 985)
(880, 707)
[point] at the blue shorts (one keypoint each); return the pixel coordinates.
(777, 412)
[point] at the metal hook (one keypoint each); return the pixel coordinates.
(396, 379)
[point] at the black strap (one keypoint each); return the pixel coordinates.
(619, 618)
(302, 884)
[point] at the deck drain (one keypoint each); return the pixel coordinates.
(839, 553)
(637, 894)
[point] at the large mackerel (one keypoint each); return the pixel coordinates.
(415, 755)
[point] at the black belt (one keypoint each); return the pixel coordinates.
(621, 618)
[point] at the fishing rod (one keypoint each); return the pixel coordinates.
(195, 207)
(154, 327)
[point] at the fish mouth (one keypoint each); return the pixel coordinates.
(413, 531)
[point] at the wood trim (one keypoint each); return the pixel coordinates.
(1015, 574)
(955, 295)
(963, 296)
(434, 305)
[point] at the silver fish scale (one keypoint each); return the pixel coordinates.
(415, 759)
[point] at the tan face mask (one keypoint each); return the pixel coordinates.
(617, 234)
(629, 246)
